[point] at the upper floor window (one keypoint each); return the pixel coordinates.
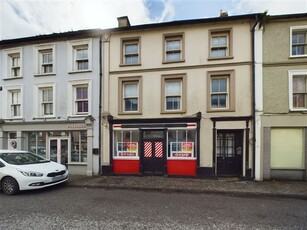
(81, 99)
(130, 93)
(15, 102)
(15, 64)
(173, 48)
(13, 60)
(130, 51)
(221, 91)
(47, 101)
(44, 59)
(220, 44)
(298, 90)
(173, 93)
(299, 41)
(80, 55)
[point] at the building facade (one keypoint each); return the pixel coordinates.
(49, 98)
(283, 106)
(178, 98)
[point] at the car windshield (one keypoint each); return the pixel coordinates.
(22, 158)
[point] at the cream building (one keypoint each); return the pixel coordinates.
(178, 98)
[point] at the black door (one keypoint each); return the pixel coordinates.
(229, 152)
(153, 153)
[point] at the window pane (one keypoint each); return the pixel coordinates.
(173, 56)
(173, 88)
(131, 104)
(131, 48)
(131, 59)
(173, 45)
(299, 100)
(81, 65)
(219, 41)
(47, 57)
(172, 103)
(219, 85)
(82, 93)
(82, 53)
(130, 90)
(299, 85)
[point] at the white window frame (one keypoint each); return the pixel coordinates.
(38, 97)
(125, 57)
(39, 51)
(294, 73)
(72, 47)
(180, 95)
(7, 106)
(180, 50)
(71, 95)
(8, 62)
(296, 28)
(220, 93)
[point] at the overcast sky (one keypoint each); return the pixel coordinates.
(21, 18)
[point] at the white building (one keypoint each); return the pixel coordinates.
(49, 97)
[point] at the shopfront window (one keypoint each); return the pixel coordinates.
(126, 144)
(37, 143)
(78, 147)
(181, 144)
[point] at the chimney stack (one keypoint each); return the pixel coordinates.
(123, 21)
(223, 14)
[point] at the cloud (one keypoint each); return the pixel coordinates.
(20, 18)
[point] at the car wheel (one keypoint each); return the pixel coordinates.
(9, 186)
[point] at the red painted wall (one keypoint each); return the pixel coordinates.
(181, 167)
(126, 166)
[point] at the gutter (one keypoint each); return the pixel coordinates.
(100, 104)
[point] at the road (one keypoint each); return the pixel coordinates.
(64, 207)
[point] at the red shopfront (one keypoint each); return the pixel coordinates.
(155, 148)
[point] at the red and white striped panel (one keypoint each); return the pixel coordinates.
(147, 149)
(158, 149)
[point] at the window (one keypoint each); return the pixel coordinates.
(37, 143)
(181, 144)
(15, 65)
(219, 92)
(126, 143)
(173, 48)
(78, 147)
(131, 51)
(130, 93)
(47, 65)
(47, 101)
(81, 99)
(13, 62)
(221, 89)
(298, 41)
(15, 104)
(79, 55)
(298, 90)
(220, 44)
(173, 93)
(44, 59)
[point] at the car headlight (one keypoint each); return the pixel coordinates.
(34, 174)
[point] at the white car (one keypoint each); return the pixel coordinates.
(22, 170)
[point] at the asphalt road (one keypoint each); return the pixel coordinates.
(79, 208)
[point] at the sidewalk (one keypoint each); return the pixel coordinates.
(230, 186)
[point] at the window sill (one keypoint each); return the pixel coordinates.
(299, 110)
(220, 58)
(11, 78)
(127, 65)
(174, 112)
(44, 74)
(130, 113)
(79, 71)
(220, 110)
(298, 56)
(173, 62)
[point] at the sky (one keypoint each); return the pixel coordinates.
(23, 18)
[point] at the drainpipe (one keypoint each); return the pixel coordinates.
(254, 95)
(100, 103)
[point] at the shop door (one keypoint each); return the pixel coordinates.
(229, 150)
(58, 150)
(153, 153)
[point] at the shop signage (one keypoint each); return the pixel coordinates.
(182, 149)
(76, 126)
(127, 149)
